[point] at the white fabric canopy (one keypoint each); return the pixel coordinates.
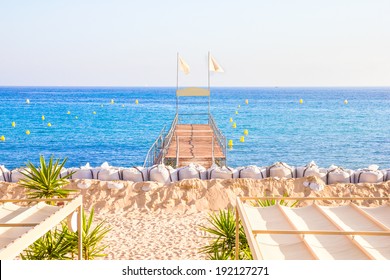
(317, 232)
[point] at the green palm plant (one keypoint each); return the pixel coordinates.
(62, 244)
(92, 237)
(272, 201)
(52, 246)
(223, 230)
(44, 181)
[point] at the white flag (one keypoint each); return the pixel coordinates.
(184, 66)
(214, 66)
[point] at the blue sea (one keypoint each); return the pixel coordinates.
(323, 128)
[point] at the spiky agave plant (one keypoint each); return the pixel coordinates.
(92, 237)
(51, 246)
(223, 231)
(44, 181)
(272, 201)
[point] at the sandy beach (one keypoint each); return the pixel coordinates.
(154, 221)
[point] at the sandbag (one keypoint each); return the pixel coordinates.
(115, 185)
(311, 169)
(315, 186)
(109, 174)
(135, 174)
(63, 172)
(337, 174)
(252, 171)
(369, 175)
(192, 171)
(16, 175)
(162, 174)
(97, 169)
(4, 174)
(224, 172)
(387, 174)
(281, 170)
(83, 185)
(84, 172)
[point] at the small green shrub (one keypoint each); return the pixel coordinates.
(271, 202)
(223, 230)
(44, 181)
(62, 244)
(92, 237)
(53, 245)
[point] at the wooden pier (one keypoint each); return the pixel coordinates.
(194, 143)
(183, 143)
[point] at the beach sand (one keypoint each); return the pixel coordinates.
(154, 221)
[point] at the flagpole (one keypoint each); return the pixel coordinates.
(177, 81)
(208, 72)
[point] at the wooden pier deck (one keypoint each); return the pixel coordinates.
(195, 144)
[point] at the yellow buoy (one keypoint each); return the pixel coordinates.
(13, 124)
(245, 131)
(28, 132)
(49, 124)
(112, 101)
(246, 101)
(94, 113)
(234, 125)
(242, 139)
(300, 101)
(230, 143)
(345, 101)
(28, 101)
(68, 112)
(231, 120)
(2, 138)
(136, 101)
(43, 117)
(236, 112)
(76, 117)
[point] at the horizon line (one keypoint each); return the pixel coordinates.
(160, 86)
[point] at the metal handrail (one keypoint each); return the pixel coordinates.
(158, 150)
(217, 132)
(168, 137)
(153, 151)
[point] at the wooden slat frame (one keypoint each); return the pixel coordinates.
(248, 231)
(14, 248)
(350, 237)
(240, 213)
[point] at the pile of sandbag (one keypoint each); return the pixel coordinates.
(166, 174)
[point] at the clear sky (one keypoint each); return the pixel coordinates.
(134, 42)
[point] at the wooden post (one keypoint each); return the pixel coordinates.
(237, 247)
(177, 151)
(80, 231)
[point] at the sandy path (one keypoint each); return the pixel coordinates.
(157, 236)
